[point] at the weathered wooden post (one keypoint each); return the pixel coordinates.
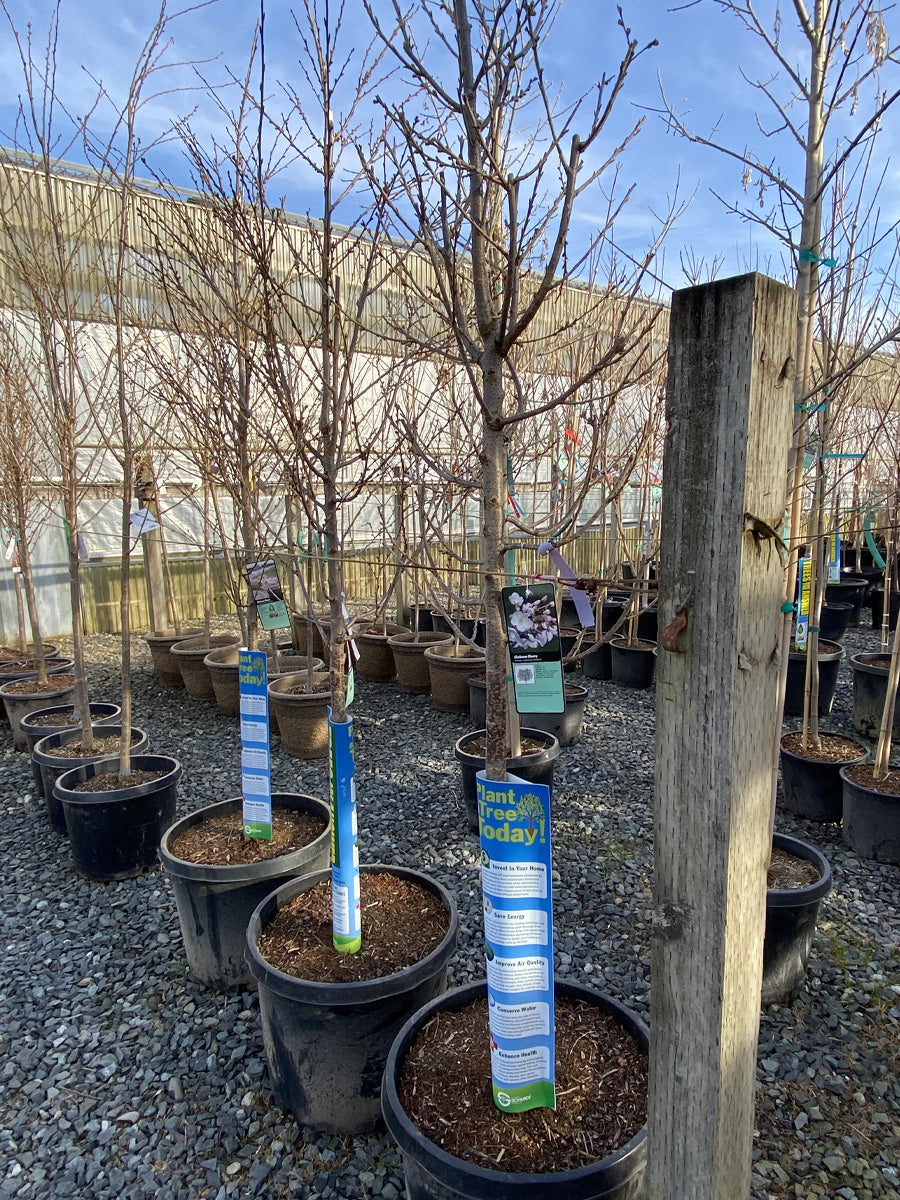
(729, 409)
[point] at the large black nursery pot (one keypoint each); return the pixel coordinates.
(566, 726)
(829, 661)
(115, 834)
(216, 902)
(834, 621)
(55, 719)
(848, 590)
(870, 681)
(326, 1043)
(52, 766)
(791, 915)
(871, 821)
(536, 767)
(877, 596)
(470, 627)
(433, 1174)
(632, 666)
(813, 788)
(19, 703)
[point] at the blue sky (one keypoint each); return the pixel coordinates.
(698, 62)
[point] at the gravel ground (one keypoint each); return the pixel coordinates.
(121, 1077)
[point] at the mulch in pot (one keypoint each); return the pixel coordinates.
(219, 841)
(832, 748)
(31, 687)
(401, 924)
(861, 773)
(478, 746)
(787, 872)
(111, 781)
(601, 1092)
(101, 746)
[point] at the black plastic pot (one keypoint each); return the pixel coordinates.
(877, 597)
(632, 666)
(468, 627)
(537, 767)
(870, 680)
(813, 789)
(871, 822)
(598, 664)
(850, 591)
(116, 834)
(326, 1044)
(52, 766)
(565, 726)
(830, 655)
(433, 1174)
(648, 624)
(834, 621)
(216, 902)
(426, 624)
(101, 714)
(790, 924)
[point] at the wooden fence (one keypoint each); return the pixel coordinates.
(369, 573)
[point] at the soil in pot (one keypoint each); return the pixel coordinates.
(811, 779)
(872, 812)
(59, 717)
(24, 696)
(401, 923)
(593, 1146)
(327, 1039)
(219, 876)
(601, 1079)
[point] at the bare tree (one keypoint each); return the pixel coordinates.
(826, 101)
(495, 166)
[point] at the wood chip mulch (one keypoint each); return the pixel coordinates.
(862, 774)
(786, 871)
(601, 1092)
(832, 747)
(401, 924)
(219, 841)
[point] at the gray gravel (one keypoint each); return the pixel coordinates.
(121, 1077)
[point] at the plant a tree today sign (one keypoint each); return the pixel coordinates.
(535, 652)
(256, 775)
(514, 825)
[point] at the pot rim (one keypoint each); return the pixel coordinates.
(355, 992)
(183, 868)
(459, 1173)
(813, 892)
(864, 749)
(145, 762)
(551, 740)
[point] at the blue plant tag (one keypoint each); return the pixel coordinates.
(346, 927)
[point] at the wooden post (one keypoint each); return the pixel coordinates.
(151, 543)
(729, 410)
